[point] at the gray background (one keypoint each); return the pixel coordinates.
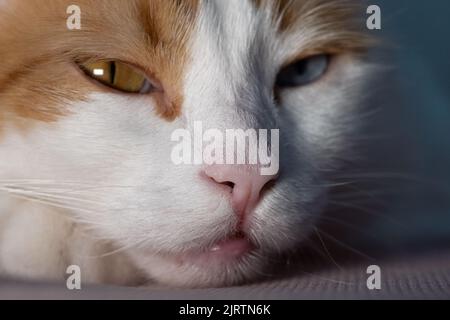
(418, 121)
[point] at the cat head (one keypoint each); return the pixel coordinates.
(88, 116)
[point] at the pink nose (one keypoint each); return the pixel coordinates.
(245, 181)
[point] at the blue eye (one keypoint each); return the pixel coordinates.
(303, 72)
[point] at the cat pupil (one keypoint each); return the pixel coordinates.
(113, 71)
(301, 67)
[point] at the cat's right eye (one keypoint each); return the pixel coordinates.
(118, 75)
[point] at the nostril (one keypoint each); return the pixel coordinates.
(229, 184)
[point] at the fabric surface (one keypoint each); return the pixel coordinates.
(424, 277)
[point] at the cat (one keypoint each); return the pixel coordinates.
(86, 118)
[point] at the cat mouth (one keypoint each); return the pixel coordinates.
(229, 250)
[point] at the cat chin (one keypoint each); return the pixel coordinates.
(237, 258)
(203, 269)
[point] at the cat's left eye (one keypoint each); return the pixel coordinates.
(303, 72)
(118, 75)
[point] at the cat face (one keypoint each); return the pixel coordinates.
(97, 144)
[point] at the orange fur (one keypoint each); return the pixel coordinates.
(37, 51)
(336, 23)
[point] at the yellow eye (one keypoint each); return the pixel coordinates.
(118, 75)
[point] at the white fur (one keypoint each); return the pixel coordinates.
(109, 161)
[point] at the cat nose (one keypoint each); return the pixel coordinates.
(245, 183)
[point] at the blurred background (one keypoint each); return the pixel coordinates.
(415, 125)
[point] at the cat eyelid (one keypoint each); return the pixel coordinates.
(289, 78)
(308, 55)
(138, 67)
(149, 78)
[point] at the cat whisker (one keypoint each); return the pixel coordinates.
(368, 211)
(326, 249)
(48, 195)
(51, 203)
(344, 245)
(116, 251)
